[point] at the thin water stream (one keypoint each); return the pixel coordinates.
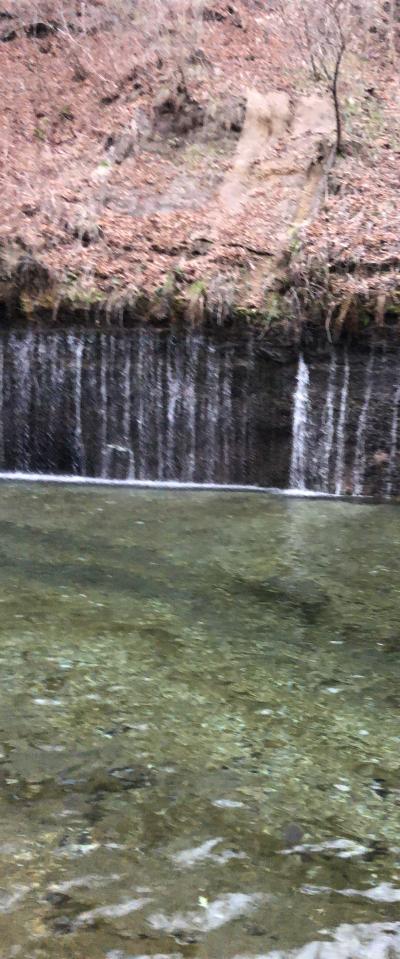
(199, 726)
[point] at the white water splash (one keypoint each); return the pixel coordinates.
(10, 899)
(174, 374)
(328, 426)
(22, 350)
(190, 406)
(393, 442)
(189, 857)
(211, 916)
(375, 940)
(299, 438)
(1, 402)
(72, 480)
(103, 405)
(385, 892)
(140, 404)
(227, 803)
(77, 346)
(340, 848)
(341, 430)
(157, 386)
(226, 413)
(115, 911)
(360, 458)
(127, 412)
(210, 410)
(53, 391)
(84, 882)
(119, 954)
(198, 854)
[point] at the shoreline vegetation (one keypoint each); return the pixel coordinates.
(209, 164)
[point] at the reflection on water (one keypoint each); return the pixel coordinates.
(199, 733)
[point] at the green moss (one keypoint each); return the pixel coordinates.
(196, 300)
(84, 296)
(197, 287)
(294, 241)
(167, 288)
(66, 113)
(44, 303)
(273, 309)
(40, 133)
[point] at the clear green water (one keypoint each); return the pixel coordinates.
(199, 725)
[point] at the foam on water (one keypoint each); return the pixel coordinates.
(157, 484)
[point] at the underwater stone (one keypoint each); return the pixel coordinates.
(296, 592)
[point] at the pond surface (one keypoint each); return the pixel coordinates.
(199, 725)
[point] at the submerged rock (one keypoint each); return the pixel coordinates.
(290, 591)
(34, 772)
(96, 777)
(293, 834)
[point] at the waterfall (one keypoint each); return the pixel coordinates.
(226, 414)
(159, 410)
(22, 361)
(119, 455)
(210, 409)
(77, 350)
(174, 375)
(53, 389)
(192, 406)
(298, 464)
(191, 410)
(2, 451)
(393, 442)
(111, 446)
(359, 458)
(328, 426)
(341, 430)
(247, 433)
(140, 403)
(103, 405)
(127, 412)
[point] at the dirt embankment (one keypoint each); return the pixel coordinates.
(187, 166)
